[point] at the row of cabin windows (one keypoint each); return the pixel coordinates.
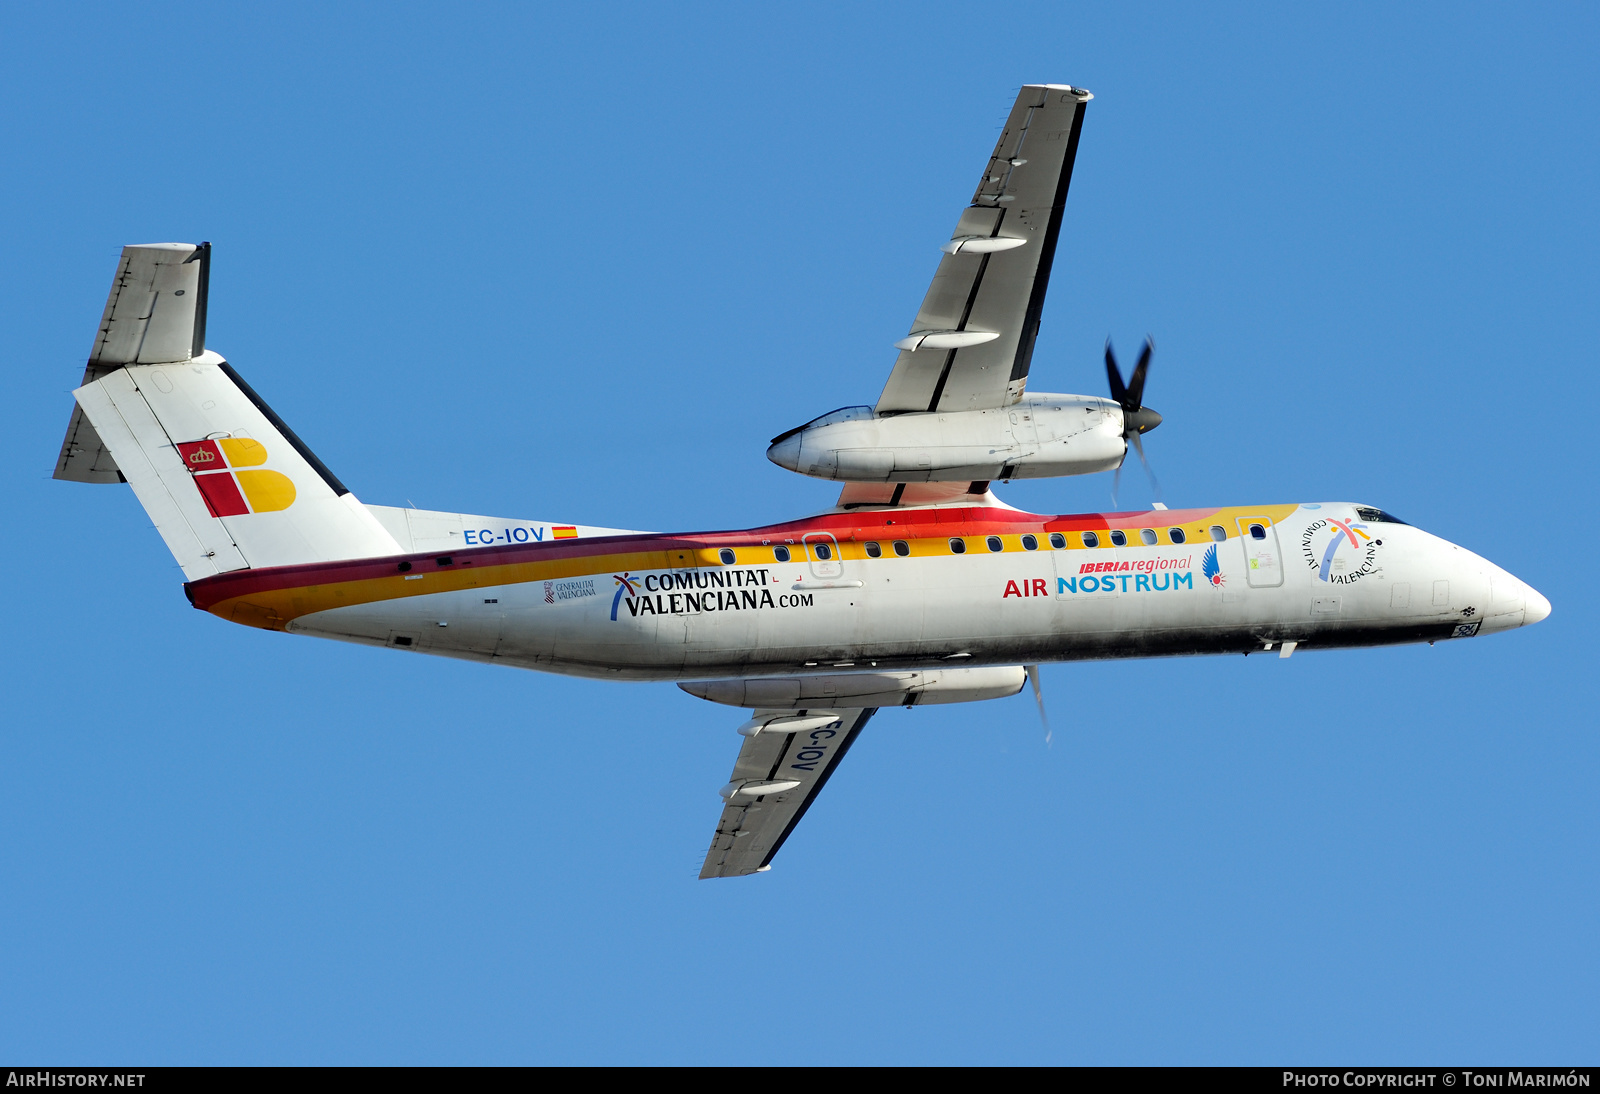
(1150, 537)
(1030, 542)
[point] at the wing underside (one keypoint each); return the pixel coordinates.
(795, 766)
(972, 343)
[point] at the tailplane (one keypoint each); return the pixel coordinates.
(227, 483)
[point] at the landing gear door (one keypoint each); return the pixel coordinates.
(822, 553)
(1262, 559)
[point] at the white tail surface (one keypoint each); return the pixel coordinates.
(226, 483)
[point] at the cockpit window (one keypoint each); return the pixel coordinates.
(1377, 516)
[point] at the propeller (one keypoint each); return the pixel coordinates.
(1137, 419)
(1038, 696)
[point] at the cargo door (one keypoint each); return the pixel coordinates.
(685, 570)
(1262, 559)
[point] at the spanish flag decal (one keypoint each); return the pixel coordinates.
(563, 531)
(228, 474)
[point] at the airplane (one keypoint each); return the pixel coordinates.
(918, 587)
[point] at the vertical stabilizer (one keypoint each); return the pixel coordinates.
(226, 482)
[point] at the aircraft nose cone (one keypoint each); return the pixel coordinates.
(786, 453)
(1534, 606)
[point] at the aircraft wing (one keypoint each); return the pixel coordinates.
(972, 341)
(778, 775)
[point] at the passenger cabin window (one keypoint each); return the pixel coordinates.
(824, 552)
(874, 551)
(958, 546)
(1030, 543)
(1148, 536)
(1057, 540)
(902, 548)
(1257, 532)
(1119, 538)
(726, 556)
(781, 554)
(1218, 533)
(994, 544)
(1376, 516)
(1176, 535)
(1091, 540)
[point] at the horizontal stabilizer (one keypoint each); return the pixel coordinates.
(155, 314)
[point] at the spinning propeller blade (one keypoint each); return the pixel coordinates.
(1137, 419)
(1038, 696)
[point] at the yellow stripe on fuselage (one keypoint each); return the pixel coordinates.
(273, 609)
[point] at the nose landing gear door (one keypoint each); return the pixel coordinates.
(1262, 559)
(822, 553)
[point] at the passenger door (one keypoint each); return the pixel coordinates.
(1262, 559)
(822, 554)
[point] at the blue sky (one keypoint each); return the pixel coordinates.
(579, 265)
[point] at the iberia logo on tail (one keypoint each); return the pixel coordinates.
(228, 473)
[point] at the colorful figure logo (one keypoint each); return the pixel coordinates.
(228, 491)
(626, 583)
(1347, 530)
(1211, 568)
(1324, 556)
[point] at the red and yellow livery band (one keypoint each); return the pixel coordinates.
(270, 598)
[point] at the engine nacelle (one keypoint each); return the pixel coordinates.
(1041, 437)
(864, 689)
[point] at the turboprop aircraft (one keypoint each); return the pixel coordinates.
(919, 586)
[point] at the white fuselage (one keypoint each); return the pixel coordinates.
(688, 619)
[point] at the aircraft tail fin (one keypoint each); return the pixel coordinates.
(227, 483)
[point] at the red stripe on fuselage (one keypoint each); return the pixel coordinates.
(909, 524)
